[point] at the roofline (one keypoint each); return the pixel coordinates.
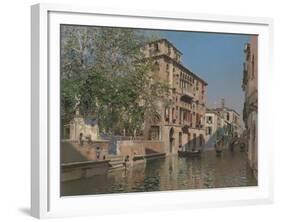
(229, 109)
(181, 66)
(233, 111)
(208, 110)
(166, 40)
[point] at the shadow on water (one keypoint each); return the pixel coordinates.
(229, 169)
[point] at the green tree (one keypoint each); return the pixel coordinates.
(105, 70)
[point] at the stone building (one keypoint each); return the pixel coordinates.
(232, 121)
(179, 125)
(79, 126)
(250, 111)
(214, 125)
(221, 122)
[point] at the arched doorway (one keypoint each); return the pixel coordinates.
(171, 140)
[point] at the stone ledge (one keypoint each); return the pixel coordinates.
(83, 163)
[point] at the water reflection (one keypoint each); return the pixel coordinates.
(171, 173)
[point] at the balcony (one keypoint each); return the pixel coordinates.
(186, 96)
(185, 122)
(187, 91)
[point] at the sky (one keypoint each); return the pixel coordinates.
(218, 59)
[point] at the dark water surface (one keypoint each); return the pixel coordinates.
(170, 173)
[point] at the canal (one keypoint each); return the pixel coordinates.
(170, 173)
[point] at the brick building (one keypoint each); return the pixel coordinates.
(180, 124)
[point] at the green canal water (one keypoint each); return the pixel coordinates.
(170, 173)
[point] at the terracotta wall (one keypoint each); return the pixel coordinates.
(73, 151)
(139, 147)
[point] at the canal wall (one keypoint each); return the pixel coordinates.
(73, 151)
(80, 160)
(139, 147)
(85, 169)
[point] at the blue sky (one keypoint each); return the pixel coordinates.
(218, 59)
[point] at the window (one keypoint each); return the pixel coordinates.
(169, 49)
(156, 66)
(173, 115)
(189, 116)
(209, 120)
(167, 67)
(193, 106)
(167, 114)
(185, 116)
(209, 130)
(180, 139)
(156, 47)
(198, 120)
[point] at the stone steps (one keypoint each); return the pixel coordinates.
(116, 162)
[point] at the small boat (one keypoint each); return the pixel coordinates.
(219, 145)
(189, 153)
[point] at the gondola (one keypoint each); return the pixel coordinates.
(189, 153)
(218, 152)
(219, 145)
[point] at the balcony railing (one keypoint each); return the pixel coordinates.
(187, 91)
(185, 122)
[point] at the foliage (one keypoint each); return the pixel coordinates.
(105, 76)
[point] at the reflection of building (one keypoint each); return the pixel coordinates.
(181, 123)
(250, 112)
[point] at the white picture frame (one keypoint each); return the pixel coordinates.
(45, 158)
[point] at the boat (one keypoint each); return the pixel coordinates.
(218, 152)
(219, 145)
(189, 153)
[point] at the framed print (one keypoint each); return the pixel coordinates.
(140, 110)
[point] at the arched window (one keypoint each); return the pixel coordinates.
(156, 66)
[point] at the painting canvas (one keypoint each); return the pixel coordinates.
(156, 110)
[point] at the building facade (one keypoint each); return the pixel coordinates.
(222, 122)
(81, 128)
(250, 111)
(180, 125)
(232, 120)
(214, 125)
